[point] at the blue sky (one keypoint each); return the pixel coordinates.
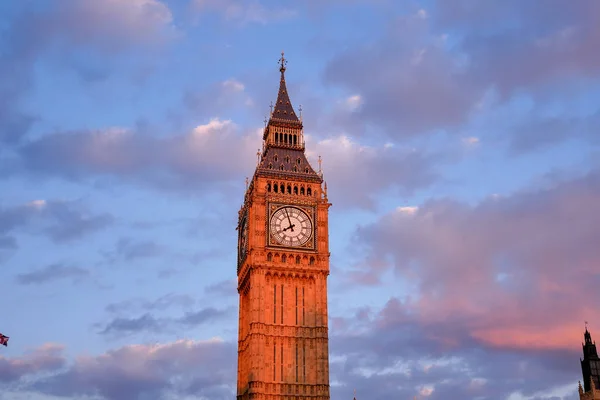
(459, 144)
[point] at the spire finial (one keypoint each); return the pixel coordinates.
(300, 109)
(586, 324)
(320, 165)
(258, 157)
(282, 63)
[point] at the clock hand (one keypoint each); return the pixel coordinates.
(289, 227)
(289, 220)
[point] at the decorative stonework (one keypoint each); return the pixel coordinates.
(283, 349)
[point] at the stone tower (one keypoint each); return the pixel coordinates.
(590, 368)
(283, 265)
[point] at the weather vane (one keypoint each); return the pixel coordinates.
(271, 108)
(300, 109)
(586, 324)
(282, 62)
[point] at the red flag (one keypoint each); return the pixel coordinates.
(4, 340)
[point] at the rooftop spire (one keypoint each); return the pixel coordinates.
(283, 110)
(282, 63)
(587, 336)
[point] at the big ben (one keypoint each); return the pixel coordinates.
(283, 265)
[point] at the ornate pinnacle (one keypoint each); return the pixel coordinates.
(282, 63)
(320, 166)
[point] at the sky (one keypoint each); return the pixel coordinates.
(460, 147)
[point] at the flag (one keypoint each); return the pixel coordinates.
(4, 340)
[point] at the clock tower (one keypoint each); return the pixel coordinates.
(282, 267)
(590, 367)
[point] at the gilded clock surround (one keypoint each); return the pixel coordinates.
(283, 346)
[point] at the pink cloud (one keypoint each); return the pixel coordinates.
(209, 153)
(518, 271)
(183, 367)
(48, 357)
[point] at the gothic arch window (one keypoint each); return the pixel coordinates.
(295, 169)
(309, 192)
(285, 137)
(297, 259)
(283, 258)
(298, 161)
(306, 170)
(287, 159)
(270, 166)
(276, 137)
(282, 188)
(289, 189)
(275, 158)
(268, 187)
(295, 139)
(312, 261)
(295, 189)
(275, 188)
(302, 190)
(270, 257)
(281, 167)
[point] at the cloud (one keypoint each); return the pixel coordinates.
(471, 141)
(203, 316)
(180, 368)
(161, 303)
(112, 25)
(129, 249)
(538, 132)
(407, 80)
(8, 243)
(107, 27)
(517, 272)
(537, 46)
(449, 67)
(60, 221)
(392, 352)
(356, 174)
(243, 12)
(218, 98)
(53, 272)
(149, 323)
(123, 326)
(208, 154)
(46, 358)
(224, 288)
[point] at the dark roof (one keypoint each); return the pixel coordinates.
(289, 162)
(283, 106)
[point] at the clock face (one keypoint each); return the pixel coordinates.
(243, 239)
(290, 226)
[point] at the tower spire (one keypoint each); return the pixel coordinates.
(283, 110)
